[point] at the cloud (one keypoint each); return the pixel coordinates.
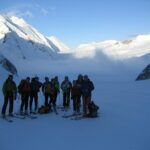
(23, 10)
(44, 11)
(28, 14)
(18, 10)
(18, 13)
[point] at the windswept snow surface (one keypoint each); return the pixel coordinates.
(123, 123)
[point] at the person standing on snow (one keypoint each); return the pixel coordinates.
(55, 84)
(66, 88)
(10, 93)
(86, 88)
(35, 88)
(79, 82)
(24, 89)
(48, 91)
(75, 96)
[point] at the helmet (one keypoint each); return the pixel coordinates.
(85, 76)
(46, 78)
(28, 78)
(66, 78)
(10, 76)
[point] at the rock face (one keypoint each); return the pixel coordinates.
(145, 74)
(6, 64)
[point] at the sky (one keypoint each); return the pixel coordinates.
(83, 21)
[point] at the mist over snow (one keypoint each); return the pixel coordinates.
(33, 53)
(135, 47)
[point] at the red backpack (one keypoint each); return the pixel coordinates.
(25, 86)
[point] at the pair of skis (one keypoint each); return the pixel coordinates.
(74, 116)
(24, 116)
(6, 118)
(19, 116)
(62, 108)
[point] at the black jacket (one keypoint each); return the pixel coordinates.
(87, 87)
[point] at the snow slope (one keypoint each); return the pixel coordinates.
(19, 40)
(60, 45)
(123, 123)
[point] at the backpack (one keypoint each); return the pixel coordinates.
(56, 86)
(93, 110)
(24, 86)
(9, 86)
(44, 109)
(48, 88)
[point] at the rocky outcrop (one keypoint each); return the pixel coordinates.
(7, 65)
(145, 74)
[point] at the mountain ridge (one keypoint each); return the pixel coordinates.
(24, 46)
(136, 47)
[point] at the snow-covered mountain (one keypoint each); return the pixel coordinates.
(19, 40)
(62, 48)
(26, 48)
(124, 104)
(136, 47)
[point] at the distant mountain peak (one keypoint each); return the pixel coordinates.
(19, 40)
(60, 45)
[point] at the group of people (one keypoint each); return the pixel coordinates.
(80, 91)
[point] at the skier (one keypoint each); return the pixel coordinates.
(56, 91)
(79, 79)
(10, 93)
(24, 89)
(57, 86)
(86, 88)
(35, 88)
(47, 91)
(75, 96)
(79, 82)
(66, 88)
